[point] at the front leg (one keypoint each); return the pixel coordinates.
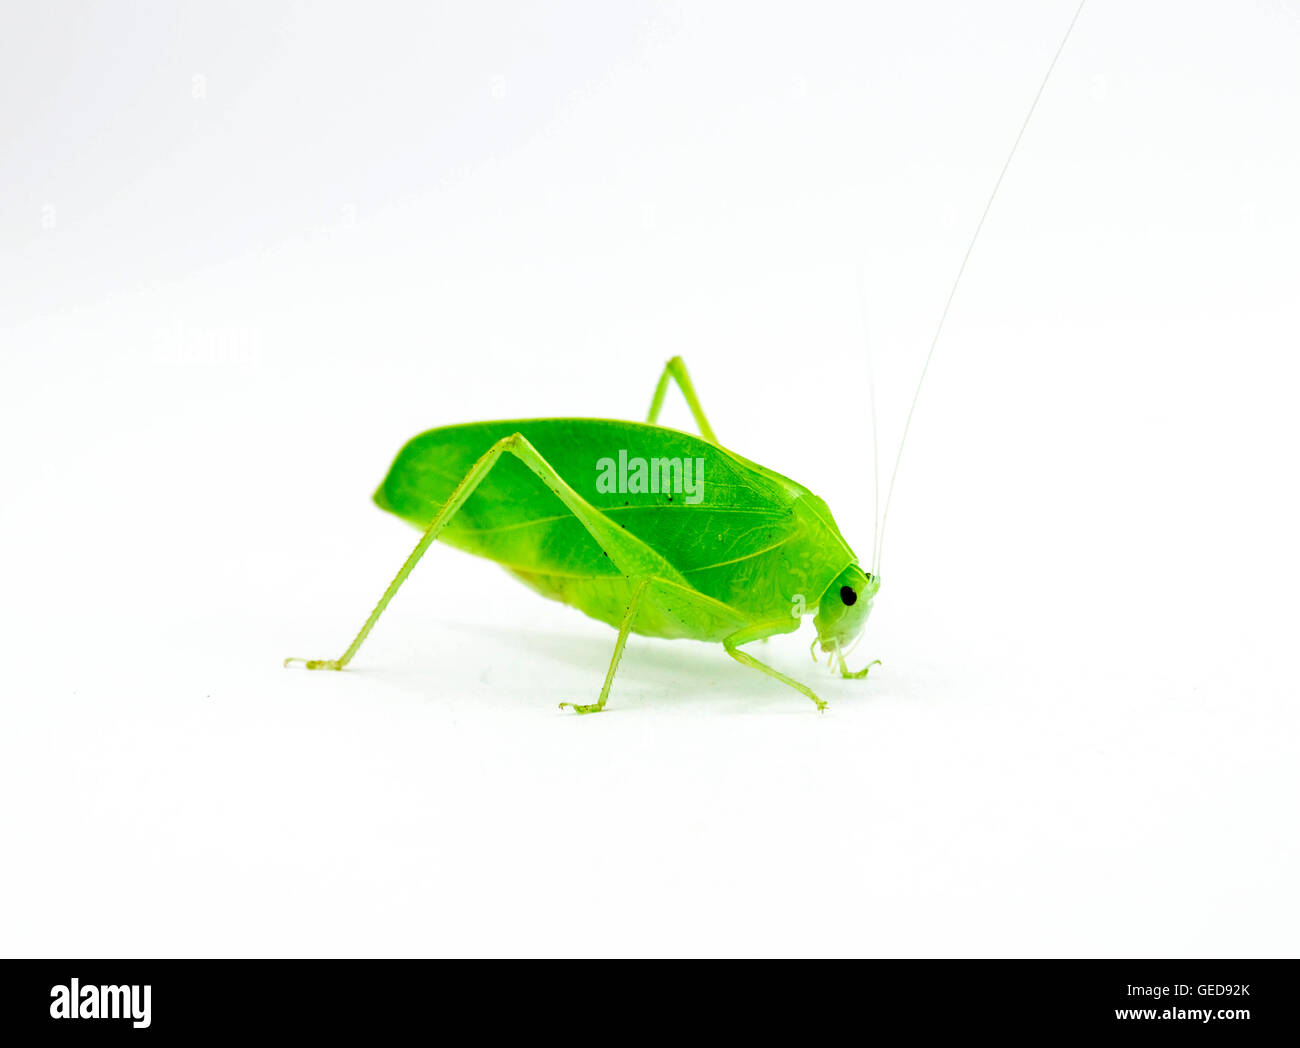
(849, 674)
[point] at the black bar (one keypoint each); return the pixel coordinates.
(376, 1001)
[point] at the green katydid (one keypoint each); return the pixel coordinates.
(652, 530)
(699, 544)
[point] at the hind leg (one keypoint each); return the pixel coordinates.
(676, 369)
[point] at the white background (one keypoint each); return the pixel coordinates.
(249, 249)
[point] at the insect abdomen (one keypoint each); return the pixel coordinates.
(667, 611)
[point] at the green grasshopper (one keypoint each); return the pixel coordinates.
(651, 530)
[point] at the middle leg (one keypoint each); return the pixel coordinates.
(744, 636)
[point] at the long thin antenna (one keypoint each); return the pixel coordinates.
(889, 497)
(871, 399)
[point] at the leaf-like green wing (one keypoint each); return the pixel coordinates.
(743, 534)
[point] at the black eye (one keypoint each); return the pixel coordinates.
(848, 595)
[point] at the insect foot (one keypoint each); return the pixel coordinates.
(594, 707)
(315, 664)
(849, 674)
